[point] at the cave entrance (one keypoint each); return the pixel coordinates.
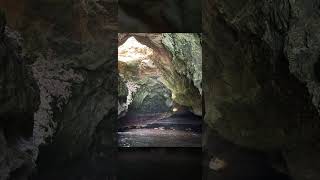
(148, 115)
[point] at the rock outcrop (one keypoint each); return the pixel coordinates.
(19, 99)
(260, 77)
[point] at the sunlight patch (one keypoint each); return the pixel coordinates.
(132, 50)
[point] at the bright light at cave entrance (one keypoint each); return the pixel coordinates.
(132, 50)
(175, 109)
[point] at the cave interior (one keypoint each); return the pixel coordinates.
(259, 96)
(148, 114)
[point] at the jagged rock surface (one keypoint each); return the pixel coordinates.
(19, 99)
(151, 97)
(185, 77)
(73, 47)
(260, 77)
(122, 90)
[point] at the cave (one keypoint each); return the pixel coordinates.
(149, 113)
(255, 85)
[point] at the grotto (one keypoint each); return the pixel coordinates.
(62, 98)
(153, 110)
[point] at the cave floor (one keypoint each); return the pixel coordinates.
(159, 164)
(192, 164)
(180, 130)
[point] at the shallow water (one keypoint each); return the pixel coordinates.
(175, 131)
(158, 138)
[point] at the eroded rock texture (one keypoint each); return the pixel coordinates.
(159, 16)
(178, 57)
(72, 48)
(151, 97)
(123, 93)
(261, 85)
(19, 99)
(185, 77)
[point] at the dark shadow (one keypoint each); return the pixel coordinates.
(160, 16)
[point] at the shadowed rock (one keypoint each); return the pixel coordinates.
(260, 85)
(19, 99)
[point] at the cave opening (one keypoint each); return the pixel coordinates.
(149, 114)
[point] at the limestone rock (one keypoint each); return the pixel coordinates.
(151, 97)
(19, 99)
(122, 90)
(185, 77)
(72, 50)
(260, 76)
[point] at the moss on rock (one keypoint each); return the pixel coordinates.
(185, 77)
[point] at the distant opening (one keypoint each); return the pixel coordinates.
(147, 114)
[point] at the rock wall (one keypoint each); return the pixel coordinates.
(19, 99)
(260, 80)
(123, 93)
(71, 46)
(151, 97)
(185, 76)
(260, 77)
